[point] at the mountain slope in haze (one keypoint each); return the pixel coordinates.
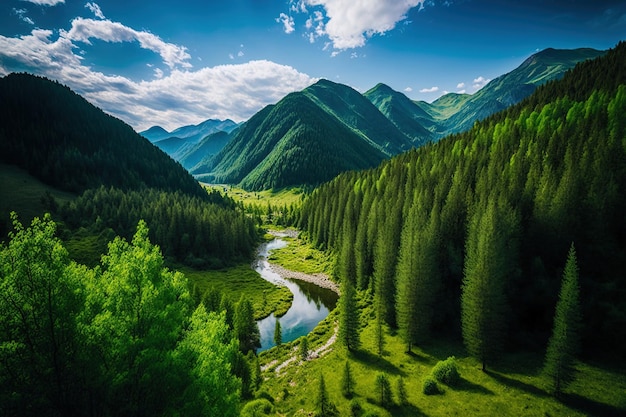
(193, 133)
(189, 155)
(455, 112)
(74, 146)
(293, 142)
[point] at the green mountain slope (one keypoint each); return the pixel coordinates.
(454, 112)
(291, 143)
(66, 142)
(551, 168)
(190, 155)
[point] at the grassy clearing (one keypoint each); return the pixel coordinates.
(21, 192)
(514, 387)
(266, 298)
(281, 197)
(300, 256)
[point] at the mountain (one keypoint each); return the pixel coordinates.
(193, 133)
(155, 133)
(454, 112)
(189, 155)
(293, 142)
(76, 146)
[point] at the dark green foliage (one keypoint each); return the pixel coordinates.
(201, 232)
(348, 317)
(278, 335)
(76, 146)
(383, 391)
(355, 408)
(552, 166)
(564, 343)
(402, 394)
(245, 326)
(347, 381)
(324, 407)
(430, 386)
(303, 348)
(446, 371)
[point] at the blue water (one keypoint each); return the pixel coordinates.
(311, 303)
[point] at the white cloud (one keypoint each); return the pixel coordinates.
(231, 56)
(429, 90)
(349, 23)
(288, 23)
(240, 54)
(21, 14)
(45, 2)
(95, 9)
(83, 30)
(460, 85)
(408, 90)
(171, 100)
(480, 82)
(463, 91)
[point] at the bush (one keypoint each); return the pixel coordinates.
(355, 408)
(266, 395)
(446, 372)
(430, 386)
(260, 407)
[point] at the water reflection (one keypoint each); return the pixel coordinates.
(311, 303)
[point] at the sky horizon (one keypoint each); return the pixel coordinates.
(178, 63)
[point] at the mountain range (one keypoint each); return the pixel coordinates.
(310, 136)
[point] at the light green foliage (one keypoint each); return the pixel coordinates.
(257, 408)
(447, 372)
(564, 343)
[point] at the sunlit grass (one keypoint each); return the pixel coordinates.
(281, 197)
(300, 256)
(266, 298)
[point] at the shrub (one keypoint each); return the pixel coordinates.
(355, 408)
(260, 407)
(266, 395)
(430, 386)
(446, 372)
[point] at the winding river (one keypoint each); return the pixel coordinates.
(311, 303)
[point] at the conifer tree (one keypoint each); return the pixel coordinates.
(304, 348)
(562, 347)
(490, 257)
(402, 394)
(278, 335)
(348, 317)
(347, 381)
(325, 408)
(245, 326)
(383, 390)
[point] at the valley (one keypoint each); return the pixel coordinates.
(472, 251)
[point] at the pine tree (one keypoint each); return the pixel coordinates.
(325, 408)
(347, 381)
(304, 348)
(383, 390)
(245, 326)
(348, 317)
(278, 336)
(402, 394)
(562, 347)
(490, 257)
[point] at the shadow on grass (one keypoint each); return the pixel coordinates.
(376, 362)
(591, 407)
(420, 358)
(465, 385)
(514, 383)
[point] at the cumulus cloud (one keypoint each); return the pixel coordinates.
(83, 30)
(480, 82)
(45, 2)
(429, 90)
(95, 9)
(408, 90)
(460, 85)
(288, 22)
(21, 14)
(349, 23)
(171, 100)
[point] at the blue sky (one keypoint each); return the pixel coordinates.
(173, 63)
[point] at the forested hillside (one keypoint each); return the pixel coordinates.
(509, 198)
(66, 142)
(291, 143)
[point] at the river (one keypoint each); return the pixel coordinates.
(311, 303)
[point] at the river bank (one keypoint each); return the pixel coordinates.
(321, 280)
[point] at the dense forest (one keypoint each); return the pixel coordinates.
(66, 142)
(504, 201)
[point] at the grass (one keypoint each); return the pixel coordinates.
(515, 386)
(280, 197)
(21, 192)
(300, 256)
(266, 298)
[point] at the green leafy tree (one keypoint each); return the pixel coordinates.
(347, 381)
(565, 339)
